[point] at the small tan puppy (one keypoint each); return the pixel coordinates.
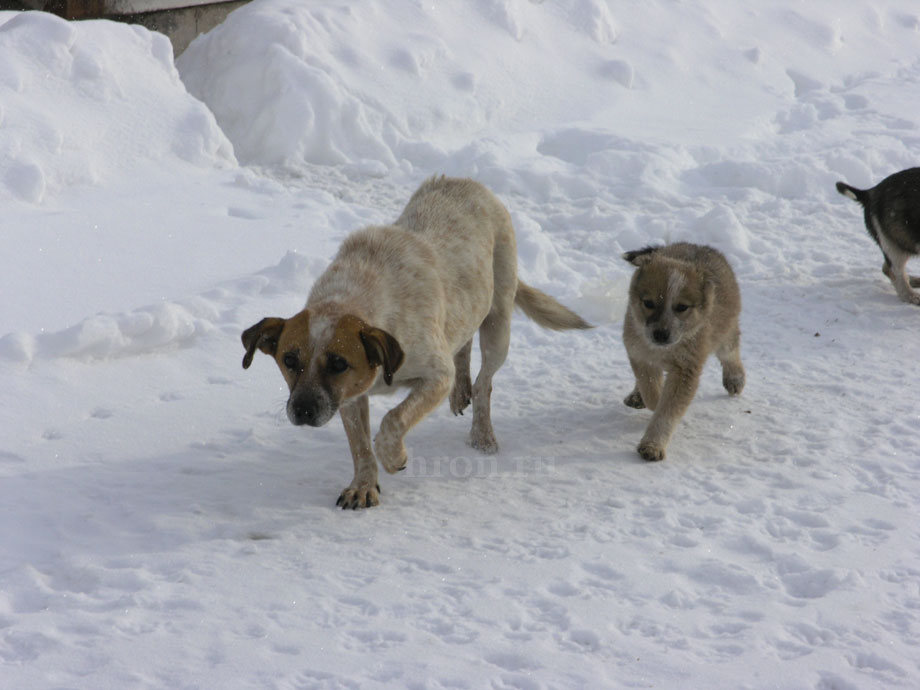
(398, 307)
(683, 306)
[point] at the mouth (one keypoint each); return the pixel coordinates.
(309, 420)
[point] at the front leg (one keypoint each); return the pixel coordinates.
(422, 399)
(648, 385)
(364, 491)
(679, 388)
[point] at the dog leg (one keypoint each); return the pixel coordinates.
(897, 271)
(494, 338)
(634, 400)
(364, 491)
(729, 354)
(679, 388)
(648, 384)
(424, 396)
(461, 393)
(913, 281)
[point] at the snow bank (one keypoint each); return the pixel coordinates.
(74, 111)
(379, 87)
(578, 99)
(165, 326)
(157, 507)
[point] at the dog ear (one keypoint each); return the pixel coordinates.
(263, 335)
(709, 294)
(382, 348)
(640, 257)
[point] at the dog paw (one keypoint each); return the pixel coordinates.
(483, 442)
(634, 400)
(651, 451)
(391, 453)
(460, 396)
(359, 496)
(733, 383)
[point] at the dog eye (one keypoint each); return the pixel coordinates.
(336, 364)
(679, 308)
(648, 303)
(290, 360)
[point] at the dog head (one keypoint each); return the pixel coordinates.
(670, 299)
(325, 360)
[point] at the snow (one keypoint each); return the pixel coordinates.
(163, 525)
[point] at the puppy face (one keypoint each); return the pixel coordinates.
(325, 360)
(670, 299)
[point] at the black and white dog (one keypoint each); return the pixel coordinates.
(892, 209)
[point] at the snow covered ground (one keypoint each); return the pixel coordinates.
(163, 526)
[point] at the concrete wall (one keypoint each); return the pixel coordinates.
(180, 20)
(182, 25)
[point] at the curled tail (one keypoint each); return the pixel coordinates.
(860, 195)
(546, 311)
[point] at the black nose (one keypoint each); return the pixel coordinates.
(661, 336)
(304, 412)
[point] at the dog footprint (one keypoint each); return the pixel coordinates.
(602, 571)
(562, 588)
(854, 101)
(244, 213)
(583, 641)
(101, 413)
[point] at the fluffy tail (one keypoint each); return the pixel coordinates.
(860, 195)
(546, 311)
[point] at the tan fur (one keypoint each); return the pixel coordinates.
(399, 304)
(684, 305)
(546, 311)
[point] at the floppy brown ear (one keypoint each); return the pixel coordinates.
(263, 335)
(382, 348)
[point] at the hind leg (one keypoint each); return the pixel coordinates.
(913, 281)
(729, 354)
(896, 269)
(494, 338)
(461, 393)
(494, 333)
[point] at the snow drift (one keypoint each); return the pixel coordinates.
(75, 112)
(164, 526)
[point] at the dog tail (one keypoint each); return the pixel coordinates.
(546, 311)
(860, 195)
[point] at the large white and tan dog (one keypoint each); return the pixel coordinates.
(683, 306)
(398, 306)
